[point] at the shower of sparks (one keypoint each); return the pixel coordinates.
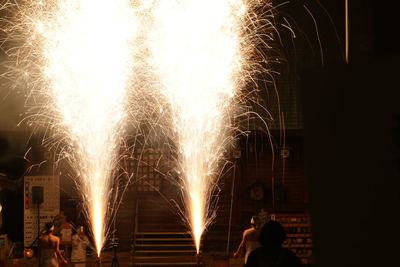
(196, 51)
(82, 52)
(77, 57)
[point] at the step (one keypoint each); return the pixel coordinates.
(165, 245)
(157, 227)
(165, 236)
(153, 222)
(163, 233)
(159, 241)
(166, 261)
(188, 244)
(165, 251)
(160, 218)
(159, 264)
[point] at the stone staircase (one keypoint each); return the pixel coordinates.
(164, 249)
(161, 237)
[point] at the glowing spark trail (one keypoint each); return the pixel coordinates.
(196, 52)
(85, 48)
(78, 57)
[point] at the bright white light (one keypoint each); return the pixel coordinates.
(87, 52)
(196, 53)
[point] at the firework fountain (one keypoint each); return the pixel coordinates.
(196, 51)
(88, 67)
(79, 58)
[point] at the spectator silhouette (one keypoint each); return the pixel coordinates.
(271, 253)
(250, 240)
(50, 254)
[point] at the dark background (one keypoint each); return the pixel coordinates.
(351, 133)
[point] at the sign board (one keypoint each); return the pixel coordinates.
(47, 210)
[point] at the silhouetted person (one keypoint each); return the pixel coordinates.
(49, 248)
(250, 240)
(271, 253)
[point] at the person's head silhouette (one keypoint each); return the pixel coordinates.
(48, 228)
(272, 234)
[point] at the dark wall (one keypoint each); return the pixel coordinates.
(352, 161)
(282, 178)
(352, 144)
